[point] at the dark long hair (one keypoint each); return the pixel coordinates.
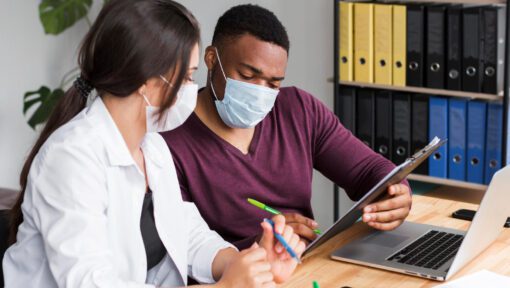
(130, 42)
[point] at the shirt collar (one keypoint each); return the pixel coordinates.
(116, 149)
(151, 151)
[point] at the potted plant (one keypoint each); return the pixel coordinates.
(56, 16)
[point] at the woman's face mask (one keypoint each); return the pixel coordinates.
(244, 104)
(177, 114)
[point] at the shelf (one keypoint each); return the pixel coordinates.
(423, 90)
(446, 182)
(479, 2)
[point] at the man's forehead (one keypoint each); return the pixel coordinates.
(251, 46)
(252, 52)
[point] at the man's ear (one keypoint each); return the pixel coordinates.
(210, 57)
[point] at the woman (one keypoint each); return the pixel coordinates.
(102, 205)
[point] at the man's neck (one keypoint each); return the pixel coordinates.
(206, 110)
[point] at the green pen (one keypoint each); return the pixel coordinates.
(272, 210)
(315, 284)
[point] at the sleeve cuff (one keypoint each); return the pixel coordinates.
(202, 270)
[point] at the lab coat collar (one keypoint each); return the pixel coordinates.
(117, 151)
(154, 154)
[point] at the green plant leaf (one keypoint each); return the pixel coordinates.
(58, 15)
(47, 100)
(29, 99)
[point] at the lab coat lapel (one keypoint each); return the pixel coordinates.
(168, 212)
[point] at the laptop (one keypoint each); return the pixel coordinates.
(378, 192)
(434, 252)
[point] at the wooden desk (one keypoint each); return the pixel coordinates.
(330, 273)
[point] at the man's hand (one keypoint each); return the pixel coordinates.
(388, 214)
(302, 226)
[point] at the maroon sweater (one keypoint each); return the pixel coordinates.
(298, 135)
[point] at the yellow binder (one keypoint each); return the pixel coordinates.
(383, 42)
(346, 56)
(399, 45)
(364, 42)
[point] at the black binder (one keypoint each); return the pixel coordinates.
(420, 128)
(383, 123)
(436, 46)
(415, 45)
(401, 127)
(454, 47)
(345, 106)
(365, 111)
(493, 51)
(472, 44)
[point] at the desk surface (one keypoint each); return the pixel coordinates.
(330, 273)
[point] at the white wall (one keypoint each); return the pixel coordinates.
(28, 58)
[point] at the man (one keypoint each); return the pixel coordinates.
(249, 138)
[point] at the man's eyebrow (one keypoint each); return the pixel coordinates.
(277, 78)
(254, 69)
(258, 71)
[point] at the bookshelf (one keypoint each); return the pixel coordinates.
(503, 97)
(424, 90)
(446, 182)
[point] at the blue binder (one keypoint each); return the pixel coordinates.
(477, 116)
(494, 140)
(438, 126)
(457, 109)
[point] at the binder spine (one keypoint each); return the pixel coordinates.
(399, 45)
(472, 50)
(401, 127)
(454, 48)
(415, 45)
(383, 131)
(436, 47)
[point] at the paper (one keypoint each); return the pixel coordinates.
(482, 278)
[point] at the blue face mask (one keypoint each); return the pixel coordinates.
(244, 105)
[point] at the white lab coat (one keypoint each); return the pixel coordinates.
(82, 210)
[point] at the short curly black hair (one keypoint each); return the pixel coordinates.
(254, 20)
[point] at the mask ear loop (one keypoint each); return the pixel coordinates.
(219, 61)
(212, 86)
(166, 81)
(210, 75)
(171, 86)
(145, 98)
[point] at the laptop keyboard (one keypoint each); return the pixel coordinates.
(431, 250)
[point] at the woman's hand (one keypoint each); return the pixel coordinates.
(249, 268)
(282, 264)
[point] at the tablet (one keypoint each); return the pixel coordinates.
(396, 176)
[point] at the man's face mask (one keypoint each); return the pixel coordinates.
(244, 104)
